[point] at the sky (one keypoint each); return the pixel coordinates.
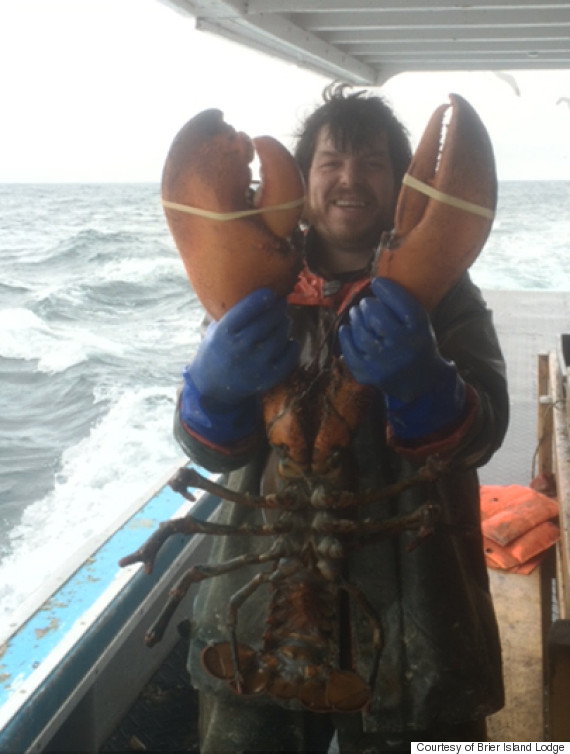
(95, 91)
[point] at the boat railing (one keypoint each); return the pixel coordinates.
(72, 669)
(553, 458)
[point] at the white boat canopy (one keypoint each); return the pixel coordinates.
(365, 42)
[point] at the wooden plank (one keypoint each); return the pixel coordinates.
(518, 606)
(544, 456)
(559, 635)
(559, 681)
(562, 470)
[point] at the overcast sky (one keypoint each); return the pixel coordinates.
(95, 90)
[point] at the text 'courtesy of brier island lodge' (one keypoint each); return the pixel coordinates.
(498, 747)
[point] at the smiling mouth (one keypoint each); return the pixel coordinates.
(350, 203)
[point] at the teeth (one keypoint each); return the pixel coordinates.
(346, 203)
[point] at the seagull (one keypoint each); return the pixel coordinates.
(510, 80)
(563, 100)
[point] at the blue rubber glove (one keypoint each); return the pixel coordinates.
(389, 343)
(247, 352)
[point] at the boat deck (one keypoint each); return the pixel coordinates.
(527, 323)
(164, 717)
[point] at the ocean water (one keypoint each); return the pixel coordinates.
(96, 321)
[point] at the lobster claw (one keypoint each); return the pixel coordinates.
(231, 239)
(445, 208)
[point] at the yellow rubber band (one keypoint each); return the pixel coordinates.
(453, 201)
(225, 216)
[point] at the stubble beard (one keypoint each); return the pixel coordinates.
(349, 242)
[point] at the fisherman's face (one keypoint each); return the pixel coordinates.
(351, 196)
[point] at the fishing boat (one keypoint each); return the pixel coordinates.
(74, 671)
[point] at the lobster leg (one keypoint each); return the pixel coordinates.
(188, 477)
(324, 498)
(426, 518)
(188, 525)
(236, 601)
(257, 680)
(370, 613)
(200, 573)
(321, 499)
(421, 518)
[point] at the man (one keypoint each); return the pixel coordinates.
(438, 389)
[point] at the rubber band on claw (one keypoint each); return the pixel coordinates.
(452, 201)
(226, 216)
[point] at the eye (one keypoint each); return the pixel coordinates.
(376, 165)
(329, 165)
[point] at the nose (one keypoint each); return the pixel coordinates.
(350, 173)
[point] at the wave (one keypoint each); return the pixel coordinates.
(24, 335)
(99, 477)
(7, 290)
(96, 320)
(72, 252)
(144, 271)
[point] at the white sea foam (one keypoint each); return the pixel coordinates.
(136, 270)
(24, 335)
(116, 464)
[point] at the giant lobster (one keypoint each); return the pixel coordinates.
(219, 223)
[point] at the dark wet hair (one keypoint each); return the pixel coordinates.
(353, 120)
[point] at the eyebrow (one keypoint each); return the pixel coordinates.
(327, 152)
(335, 152)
